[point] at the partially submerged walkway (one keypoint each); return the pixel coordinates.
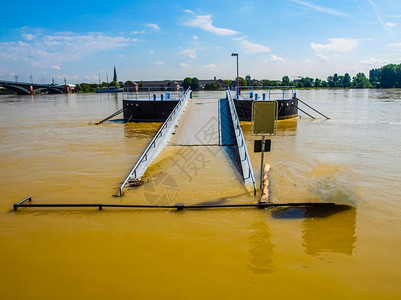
(206, 146)
(201, 161)
(205, 123)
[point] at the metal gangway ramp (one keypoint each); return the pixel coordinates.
(207, 122)
(159, 141)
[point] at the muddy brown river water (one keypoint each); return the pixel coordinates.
(50, 150)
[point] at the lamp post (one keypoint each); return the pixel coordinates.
(236, 54)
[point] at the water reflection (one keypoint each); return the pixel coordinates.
(137, 130)
(386, 95)
(335, 234)
(287, 127)
(325, 228)
(261, 249)
(323, 211)
(117, 101)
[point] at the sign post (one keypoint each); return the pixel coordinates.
(264, 122)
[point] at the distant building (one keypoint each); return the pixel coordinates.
(160, 84)
(219, 82)
(173, 83)
(115, 75)
(130, 83)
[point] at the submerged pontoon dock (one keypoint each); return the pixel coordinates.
(213, 122)
(196, 123)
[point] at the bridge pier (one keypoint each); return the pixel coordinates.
(67, 89)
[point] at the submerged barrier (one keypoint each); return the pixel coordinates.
(177, 206)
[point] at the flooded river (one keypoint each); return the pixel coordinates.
(50, 149)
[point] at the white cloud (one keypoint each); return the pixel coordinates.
(191, 53)
(56, 67)
(248, 47)
(322, 58)
(139, 32)
(28, 36)
(195, 37)
(211, 66)
(188, 11)
(120, 56)
(373, 61)
(276, 59)
(159, 62)
(184, 65)
(153, 26)
(150, 25)
(396, 45)
(86, 43)
(151, 51)
(390, 25)
(320, 9)
(61, 47)
(335, 45)
(205, 22)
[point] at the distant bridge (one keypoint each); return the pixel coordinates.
(26, 88)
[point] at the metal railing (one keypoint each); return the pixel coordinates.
(267, 92)
(247, 171)
(159, 141)
(153, 93)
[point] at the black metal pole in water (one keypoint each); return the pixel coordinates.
(177, 206)
(303, 111)
(313, 109)
(19, 203)
(111, 116)
(262, 160)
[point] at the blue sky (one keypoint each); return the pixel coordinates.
(158, 40)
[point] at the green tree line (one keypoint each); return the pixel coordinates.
(334, 81)
(91, 87)
(388, 76)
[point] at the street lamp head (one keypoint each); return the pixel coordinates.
(234, 54)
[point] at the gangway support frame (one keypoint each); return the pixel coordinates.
(159, 141)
